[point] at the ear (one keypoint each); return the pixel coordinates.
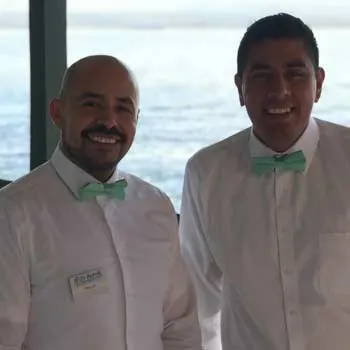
(238, 83)
(55, 109)
(320, 75)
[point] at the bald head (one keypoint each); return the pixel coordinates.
(82, 67)
(97, 113)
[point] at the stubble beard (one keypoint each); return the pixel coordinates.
(85, 162)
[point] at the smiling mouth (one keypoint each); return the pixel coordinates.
(279, 111)
(110, 139)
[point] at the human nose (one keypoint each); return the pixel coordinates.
(279, 86)
(109, 118)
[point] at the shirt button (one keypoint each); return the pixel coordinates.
(292, 313)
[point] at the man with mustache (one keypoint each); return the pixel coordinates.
(265, 218)
(89, 255)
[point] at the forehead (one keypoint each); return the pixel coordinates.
(104, 78)
(277, 52)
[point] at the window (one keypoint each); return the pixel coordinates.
(14, 89)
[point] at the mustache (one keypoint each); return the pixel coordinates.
(103, 130)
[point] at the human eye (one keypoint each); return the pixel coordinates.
(297, 73)
(260, 75)
(124, 109)
(90, 103)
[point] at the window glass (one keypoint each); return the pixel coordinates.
(14, 89)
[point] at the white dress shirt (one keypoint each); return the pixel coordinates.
(102, 274)
(270, 254)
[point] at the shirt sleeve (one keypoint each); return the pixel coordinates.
(14, 287)
(181, 327)
(205, 272)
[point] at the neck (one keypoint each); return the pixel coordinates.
(101, 176)
(278, 146)
(280, 142)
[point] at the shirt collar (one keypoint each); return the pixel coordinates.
(307, 143)
(73, 176)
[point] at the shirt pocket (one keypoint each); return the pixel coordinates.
(335, 264)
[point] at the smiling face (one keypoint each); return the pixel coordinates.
(97, 114)
(278, 87)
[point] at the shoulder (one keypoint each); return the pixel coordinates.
(333, 133)
(149, 201)
(141, 189)
(218, 153)
(30, 185)
(327, 126)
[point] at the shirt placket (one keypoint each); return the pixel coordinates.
(287, 265)
(108, 212)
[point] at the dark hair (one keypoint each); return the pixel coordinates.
(279, 26)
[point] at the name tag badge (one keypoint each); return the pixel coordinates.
(88, 282)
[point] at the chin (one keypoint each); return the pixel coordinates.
(104, 166)
(97, 164)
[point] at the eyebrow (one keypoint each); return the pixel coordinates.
(296, 64)
(292, 64)
(260, 66)
(85, 95)
(89, 94)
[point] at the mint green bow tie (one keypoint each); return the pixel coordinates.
(293, 161)
(114, 190)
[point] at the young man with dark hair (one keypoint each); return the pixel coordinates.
(265, 218)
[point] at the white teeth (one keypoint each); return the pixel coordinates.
(102, 139)
(279, 110)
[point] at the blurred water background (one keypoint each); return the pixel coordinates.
(188, 98)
